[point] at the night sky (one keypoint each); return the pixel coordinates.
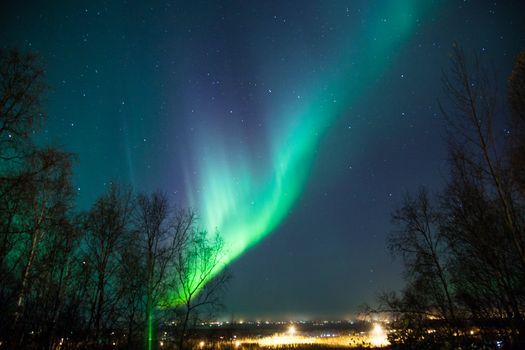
(293, 127)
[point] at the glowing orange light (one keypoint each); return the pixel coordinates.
(378, 336)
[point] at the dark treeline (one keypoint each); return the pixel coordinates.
(463, 249)
(107, 277)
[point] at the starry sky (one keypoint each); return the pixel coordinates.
(293, 127)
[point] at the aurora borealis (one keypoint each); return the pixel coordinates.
(292, 127)
(245, 200)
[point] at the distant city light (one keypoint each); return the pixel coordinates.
(292, 336)
(378, 336)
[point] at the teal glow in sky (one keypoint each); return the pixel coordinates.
(293, 127)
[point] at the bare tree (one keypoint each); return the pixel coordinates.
(160, 240)
(484, 200)
(131, 282)
(199, 280)
(81, 281)
(47, 197)
(463, 255)
(485, 263)
(470, 120)
(21, 92)
(420, 243)
(108, 230)
(55, 275)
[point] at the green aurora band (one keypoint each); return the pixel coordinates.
(245, 207)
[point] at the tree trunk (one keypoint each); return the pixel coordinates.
(184, 325)
(149, 322)
(98, 314)
(20, 302)
(16, 336)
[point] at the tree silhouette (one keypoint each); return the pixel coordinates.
(196, 286)
(107, 227)
(92, 279)
(160, 239)
(463, 249)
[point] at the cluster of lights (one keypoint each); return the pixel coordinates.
(376, 338)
